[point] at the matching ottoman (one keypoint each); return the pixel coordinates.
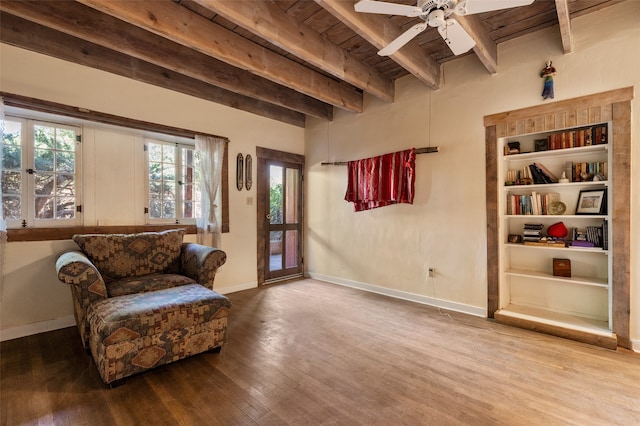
(133, 333)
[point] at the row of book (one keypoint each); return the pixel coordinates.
(534, 204)
(595, 135)
(588, 237)
(591, 236)
(586, 171)
(532, 232)
(537, 173)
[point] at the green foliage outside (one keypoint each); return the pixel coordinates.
(275, 203)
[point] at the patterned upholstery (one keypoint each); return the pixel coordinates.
(120, 256)
(143, 300)
(149, 329)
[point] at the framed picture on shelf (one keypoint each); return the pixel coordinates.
(592, 201)
(541, 145)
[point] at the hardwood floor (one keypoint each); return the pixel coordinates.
(307, 353)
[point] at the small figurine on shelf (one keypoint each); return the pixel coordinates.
(547, 73)
(563, 179)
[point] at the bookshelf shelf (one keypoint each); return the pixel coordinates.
(557, 153)
(588, 281)
(588, 139)
(595, 250)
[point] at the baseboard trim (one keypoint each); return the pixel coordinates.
(237, 287)
(37, 328)
(635, 345)
(398, 294)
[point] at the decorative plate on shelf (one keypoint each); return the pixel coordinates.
(557, 208)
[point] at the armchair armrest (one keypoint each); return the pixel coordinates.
(76, 269)
(200, 262)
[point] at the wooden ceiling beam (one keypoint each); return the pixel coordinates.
(177, 23)
(28, 35)
(380, 31)
(485, 49)
(88, 24)
(270, 22)
(564, 22)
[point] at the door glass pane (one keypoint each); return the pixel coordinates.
(292, 196)
(275, 250)
(291, 249)
(275, 194)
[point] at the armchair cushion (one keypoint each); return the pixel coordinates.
(120, 256)
(147, 283)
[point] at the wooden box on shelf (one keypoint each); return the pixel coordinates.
(561, 267)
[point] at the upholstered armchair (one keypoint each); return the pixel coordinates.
(142, 290)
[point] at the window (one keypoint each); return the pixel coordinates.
(174, 183)
(40, 174)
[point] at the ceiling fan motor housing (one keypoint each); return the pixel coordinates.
(436, 18)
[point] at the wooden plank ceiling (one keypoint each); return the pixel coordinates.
(282, 59)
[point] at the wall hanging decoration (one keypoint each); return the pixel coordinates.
(381, 181)
(239, 172)
(547, 73)
(248, 179)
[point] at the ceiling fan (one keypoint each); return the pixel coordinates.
(435, 13)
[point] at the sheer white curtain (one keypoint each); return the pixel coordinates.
(209, 223)
(3, 223)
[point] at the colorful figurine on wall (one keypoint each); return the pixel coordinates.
(547, 73)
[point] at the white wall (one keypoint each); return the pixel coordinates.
(31, 298)
(390, 249)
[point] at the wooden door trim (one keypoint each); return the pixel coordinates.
(263, 156)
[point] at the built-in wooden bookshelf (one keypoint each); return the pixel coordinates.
(528, 150)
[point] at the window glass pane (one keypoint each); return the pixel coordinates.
(43, 159)
(275, 194)
(155, 152)
(169, 191)
(154, 189)
(65, 185)
(169, 209)
(65, 207)
(275, 250)
(65, 161)
(11, 207)
(11, 157)
(11, 177)
(169, 173)
(155, 208)
(292, 196)
(65, 139)
(155, 171)
(11, 182)
(168, 154)
(43, 183)
(44, 137)
(44, 207)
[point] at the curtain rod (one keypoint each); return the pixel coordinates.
(426, 150)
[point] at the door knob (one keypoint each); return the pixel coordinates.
(268, 216)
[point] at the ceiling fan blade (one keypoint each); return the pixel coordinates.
(403, 39)
(469, 7)
(385, 8)
(458, 40)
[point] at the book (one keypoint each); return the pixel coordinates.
(552, 178)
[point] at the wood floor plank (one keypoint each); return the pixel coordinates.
(309, 352)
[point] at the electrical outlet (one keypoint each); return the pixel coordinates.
(432, 272)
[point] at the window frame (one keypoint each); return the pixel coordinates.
(18, 105)
(179, 180)
(28, 195)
